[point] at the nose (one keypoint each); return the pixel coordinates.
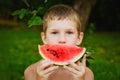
(62, 39)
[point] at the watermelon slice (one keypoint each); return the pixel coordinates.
(61, 54)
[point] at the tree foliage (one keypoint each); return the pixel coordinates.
(32, 15)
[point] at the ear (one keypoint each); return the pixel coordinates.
(80, 38)
(43, 36)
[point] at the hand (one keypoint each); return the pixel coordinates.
(44, 69)
(77, 69)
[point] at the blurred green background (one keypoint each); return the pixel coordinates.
(19, 44)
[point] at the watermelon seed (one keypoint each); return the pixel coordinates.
(55, 54)
(47, 49)
(61, 53)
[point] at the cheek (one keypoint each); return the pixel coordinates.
(72, 40)
(51, 40)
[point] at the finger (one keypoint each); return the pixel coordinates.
(50, 69)
(73, 65)
(84, 60)
(78, 63)
(75, 72)
(46, 61)
(47, 72)
(71, 70)
(81, 67)
(78, 75)
(46, 75)
(43, 64)
(43, 61)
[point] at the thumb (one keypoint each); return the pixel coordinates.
(84, 60)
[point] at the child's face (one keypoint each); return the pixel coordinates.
(62, 32)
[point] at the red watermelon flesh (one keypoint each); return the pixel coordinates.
(61, 54)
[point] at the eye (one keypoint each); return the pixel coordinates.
(54, 32)
(69, 32)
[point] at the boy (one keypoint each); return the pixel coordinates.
(61, 25)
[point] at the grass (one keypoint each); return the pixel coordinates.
(18, 49)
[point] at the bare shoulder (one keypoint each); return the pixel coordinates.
(30, 71)
(89, 74)
(31, 68)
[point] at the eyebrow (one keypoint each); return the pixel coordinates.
(65, 30)
(69, 29)
(54, 29)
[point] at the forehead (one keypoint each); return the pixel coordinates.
(62, 24)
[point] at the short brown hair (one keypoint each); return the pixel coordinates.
(61, 12)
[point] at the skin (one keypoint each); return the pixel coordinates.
(60, 32)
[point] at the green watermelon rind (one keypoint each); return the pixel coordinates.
(66, 62)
